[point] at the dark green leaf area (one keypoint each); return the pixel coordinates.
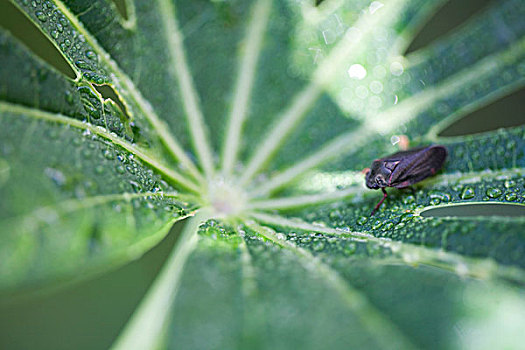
(490, 32)
(501, 149)
(258, 295)
(209, 305)
(141, 53)
(37, 85)
(423, 302)
(324, 122)
(72, 201)
(499, 238)
(493, 81)
(292, 295)
(395, 289)
(67, 37)
(103, 20)
(277, 83)
(225, 23)
(413, 15)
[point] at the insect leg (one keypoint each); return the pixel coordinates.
(380, 202)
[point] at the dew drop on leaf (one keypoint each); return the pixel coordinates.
(510, 183)
(467, 193)
(409, 199)
(41, 16)
(120, 169)
(494, 192)
(91, 55)
(388, 226)
(511, 196)
(377, 224)
(362, 220)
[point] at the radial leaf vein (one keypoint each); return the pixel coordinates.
(386, 332)
(410, 254)
(73, 205)
(282, 128)
(250, 54)
(127, 88)
(148, 323)
(303, 200)
(387, 121)
(343, 54)
(187, 88)
(140, 154)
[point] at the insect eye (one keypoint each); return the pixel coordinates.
(380, 180)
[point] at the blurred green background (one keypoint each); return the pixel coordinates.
(89, 314)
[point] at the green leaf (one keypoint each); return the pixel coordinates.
(255, 118)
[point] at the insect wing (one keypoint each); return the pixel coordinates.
(417, 165)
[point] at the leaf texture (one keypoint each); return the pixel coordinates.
(258, 116)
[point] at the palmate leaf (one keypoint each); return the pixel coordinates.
(256, 118)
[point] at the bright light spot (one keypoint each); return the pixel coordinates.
(357, 71)
(396, 99)
(374, 6)
(226, 198)
(376, 87)
(396, 68)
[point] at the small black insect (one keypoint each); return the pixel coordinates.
(404, 168)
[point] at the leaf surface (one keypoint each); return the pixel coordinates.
(259, 116)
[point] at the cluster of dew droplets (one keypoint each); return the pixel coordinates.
(70, 41)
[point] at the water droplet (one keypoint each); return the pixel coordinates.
(362, 220)
(511, 196)
(108, 154)
(120, 169)
(510, 183)
(494, 192)
(435, 201)
(91, 55)
(441, 196)
(409, 199)
(82, 64)
(377, 224)
(54, 34)
(318, 246)
(41, 16)
(136, 187)
(467, 193)
(388, 226)
(56, 176)
(131, 169)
